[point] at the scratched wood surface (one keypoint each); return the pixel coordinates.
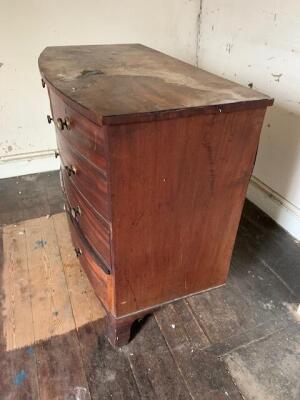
(237, 342)
(109, 81)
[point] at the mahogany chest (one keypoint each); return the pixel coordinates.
(156, 156)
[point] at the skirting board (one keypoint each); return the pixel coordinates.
(278, 208)
(28, 163)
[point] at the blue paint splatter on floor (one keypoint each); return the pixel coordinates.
(30, 351)
(39, 244)
(20, 377)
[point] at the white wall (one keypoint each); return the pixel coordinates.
(27, 27)
(259, 42)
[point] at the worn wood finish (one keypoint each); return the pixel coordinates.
(44, 291)
(168, 171)
(61, 374)
(130, 82)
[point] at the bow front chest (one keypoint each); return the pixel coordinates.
(156, 156)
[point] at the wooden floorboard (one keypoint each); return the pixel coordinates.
(276, 249)
(30, 196)
(251, 297)
(153, 365)
(61, 374)
(108, 371)
(237, 341)
(51, 306)
(202, 372)
(85, 306)
(269, 368)
(44, 297)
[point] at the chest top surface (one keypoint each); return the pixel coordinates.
(131, 82)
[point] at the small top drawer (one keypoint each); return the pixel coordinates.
(83, 135)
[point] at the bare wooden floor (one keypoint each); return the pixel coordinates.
(241, 341)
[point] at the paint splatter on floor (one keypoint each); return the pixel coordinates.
(39, 244)
(20, 377)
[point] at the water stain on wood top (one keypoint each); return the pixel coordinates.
(139, 83)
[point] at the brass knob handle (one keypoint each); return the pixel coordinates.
(62, 124)
(49, 119)
(78, 251)
(75, 212)
(56, 153)
(71, 170)
(68, 123)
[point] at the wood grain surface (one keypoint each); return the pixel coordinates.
(46, 292)
(130, 82)
(177, 190)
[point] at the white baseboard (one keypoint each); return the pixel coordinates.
(278, 208)
(28, 163)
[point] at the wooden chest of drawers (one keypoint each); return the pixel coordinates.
(156, 156)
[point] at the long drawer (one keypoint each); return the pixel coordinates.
(85, 177)
(83, 135)
(93, 227)
(102, 283)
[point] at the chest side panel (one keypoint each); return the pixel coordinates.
(177, 191)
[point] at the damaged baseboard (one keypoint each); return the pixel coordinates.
(27, 163)
(285, 213)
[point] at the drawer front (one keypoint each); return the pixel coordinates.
(93, 227)
(85, 177)
(101, 282)
(83, 135)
